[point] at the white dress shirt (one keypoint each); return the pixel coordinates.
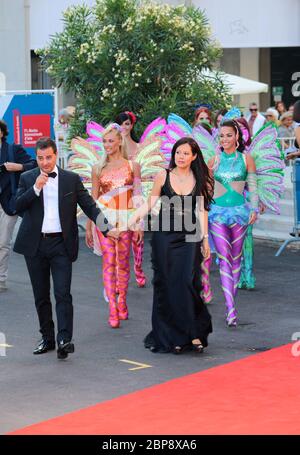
(51, 221)
(259, 122)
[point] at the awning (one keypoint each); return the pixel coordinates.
(239, 85)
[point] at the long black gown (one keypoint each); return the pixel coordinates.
(179, 314)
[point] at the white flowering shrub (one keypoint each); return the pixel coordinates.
(136, 55)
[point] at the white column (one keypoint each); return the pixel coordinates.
(14, 41)
(27, 56)
(249, 68)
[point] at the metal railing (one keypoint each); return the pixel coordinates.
(296, 197)
(287, 144)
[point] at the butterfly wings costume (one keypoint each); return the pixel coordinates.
(230, 212)
(119, 199)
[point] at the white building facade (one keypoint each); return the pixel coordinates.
(260, 40)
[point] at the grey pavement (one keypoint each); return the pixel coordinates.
(36, 388)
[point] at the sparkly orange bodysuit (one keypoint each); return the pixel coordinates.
(115, 191)
(116, 179)
(137, 248)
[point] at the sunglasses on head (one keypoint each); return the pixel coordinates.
(253, 110)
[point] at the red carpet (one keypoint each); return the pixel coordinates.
(257, 395)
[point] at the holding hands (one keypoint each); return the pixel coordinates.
(133, 222)
(114, 233)
(89, 239)
(205, 248)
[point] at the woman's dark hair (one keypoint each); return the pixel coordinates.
(220, 112)
(277, 104)
(234, 125)
(296, 114)
(4, 129)
(204, 181)
(121, 118)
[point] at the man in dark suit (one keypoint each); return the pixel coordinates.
(13, 161)
(48, 238)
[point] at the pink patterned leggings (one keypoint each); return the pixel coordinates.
(116, 268)
(138, 251)
(228, 240)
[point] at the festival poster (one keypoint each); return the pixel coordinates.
(28, 117)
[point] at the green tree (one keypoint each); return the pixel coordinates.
(136, 55)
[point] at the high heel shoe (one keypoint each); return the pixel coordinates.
(114, 323)
(122, 310)
(123, 315)
(140, 280)
(231, 318)
(113, 319)
(198, 348)
(232, 323)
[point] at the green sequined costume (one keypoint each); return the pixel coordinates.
(247, 278)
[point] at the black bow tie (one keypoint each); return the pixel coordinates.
(52, 174)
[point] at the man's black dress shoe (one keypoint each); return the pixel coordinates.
(64, 349)
(44, 346)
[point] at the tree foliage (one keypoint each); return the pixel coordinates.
(136, 55)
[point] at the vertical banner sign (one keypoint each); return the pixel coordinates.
(28, 117)
(17, 132)
(34, 127)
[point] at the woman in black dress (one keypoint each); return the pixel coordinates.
(180, 320)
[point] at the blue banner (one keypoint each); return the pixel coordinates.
(28, 117)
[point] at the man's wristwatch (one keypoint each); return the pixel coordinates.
(205, 236)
